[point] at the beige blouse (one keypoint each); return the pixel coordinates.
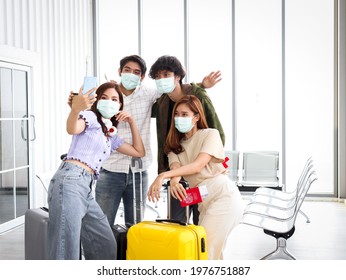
(203, 141)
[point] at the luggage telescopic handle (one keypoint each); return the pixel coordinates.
(171, 221)
(139, 160)
(141, 206)
(187, 211)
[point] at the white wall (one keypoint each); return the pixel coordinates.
(53, 38)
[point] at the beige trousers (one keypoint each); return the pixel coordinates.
(220, 212)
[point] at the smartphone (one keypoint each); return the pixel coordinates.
(89, 83)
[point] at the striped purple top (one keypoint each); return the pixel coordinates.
(91, 146)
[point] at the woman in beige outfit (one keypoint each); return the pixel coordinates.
(196, 153)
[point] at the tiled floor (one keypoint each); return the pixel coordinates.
(322, 239)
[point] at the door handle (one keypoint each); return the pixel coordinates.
(33, 128)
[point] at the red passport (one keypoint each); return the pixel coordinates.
(194, 196)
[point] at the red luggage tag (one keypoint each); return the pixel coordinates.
(224, 163)
(194, 196)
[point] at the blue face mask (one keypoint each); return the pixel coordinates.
(183, 124)
(129, 80)
(107, 108)
(165, 85)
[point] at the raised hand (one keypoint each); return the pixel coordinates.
(212, 79)
(81, 101)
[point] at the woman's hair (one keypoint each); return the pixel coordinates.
(169, 63)
(174, 136)
(100, 90)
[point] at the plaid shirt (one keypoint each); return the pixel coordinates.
(139, 105)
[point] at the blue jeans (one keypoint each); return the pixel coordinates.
(111, 187)
(75, 217)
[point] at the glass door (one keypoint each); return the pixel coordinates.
(16, 139)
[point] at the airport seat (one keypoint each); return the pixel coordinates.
(278, 198)
(260, 169)
(277, 217)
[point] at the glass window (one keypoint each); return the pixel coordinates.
(20, 94)
(6, 144)
(308, 123)
(258, 59)
(163, 30)
(210, 45)
(6, 101)
(7, 212)
(310, 90)
(21, 143)
(22, 202)
(118, 35)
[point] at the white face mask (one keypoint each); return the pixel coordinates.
(165, 85)
(129, 80)
(108, 108)
(183, 124)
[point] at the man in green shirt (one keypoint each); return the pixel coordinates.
(168, 73)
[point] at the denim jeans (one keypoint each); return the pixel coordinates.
(75, 218)
(111, 187)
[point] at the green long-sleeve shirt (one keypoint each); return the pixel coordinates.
(162, 111)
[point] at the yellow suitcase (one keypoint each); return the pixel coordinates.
(166, 240)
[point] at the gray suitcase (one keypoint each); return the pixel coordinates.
(36, 234)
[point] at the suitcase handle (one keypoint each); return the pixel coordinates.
(185, 184)
(44, 209)
(136, 159)
(171, 221)
(141, 205)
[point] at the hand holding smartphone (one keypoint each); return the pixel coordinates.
(89, 83)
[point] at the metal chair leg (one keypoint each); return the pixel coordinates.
(153, 209)
(280, 252)
(306, 216)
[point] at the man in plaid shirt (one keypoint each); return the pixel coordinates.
(115, 181)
